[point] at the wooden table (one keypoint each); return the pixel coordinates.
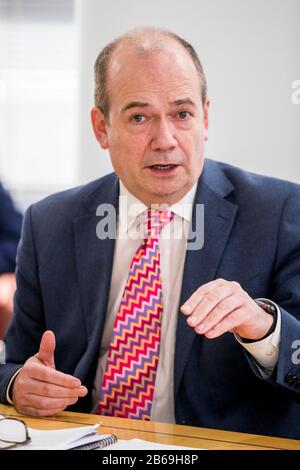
(158, 432)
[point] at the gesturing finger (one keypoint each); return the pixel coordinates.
(229, 323)
(49, 390)
(189, 306)
(218, 313)
(31, 411)
(45, 374)
(39, 402)
(210, 301)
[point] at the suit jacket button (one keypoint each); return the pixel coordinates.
(290, 378)
(295, 380)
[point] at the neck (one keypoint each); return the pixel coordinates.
(163, 199)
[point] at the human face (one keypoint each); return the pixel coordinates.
(157, 124)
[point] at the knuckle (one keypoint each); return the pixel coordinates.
(46, 390)
(30, 369)
(41, 402)
(60, 403)
(224, 306)
(67, 380)
(72, 401)
(38, 412)
(19, 404)
(55, 412)
(201, 288)
(213, 298)
(235, 284)
(234, 316)
(47, 373)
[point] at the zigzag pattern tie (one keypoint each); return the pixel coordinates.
(129, 379)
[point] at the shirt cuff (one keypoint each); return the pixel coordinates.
(8, 395)
(266, 351)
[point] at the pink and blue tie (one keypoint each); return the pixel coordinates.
(129, 378)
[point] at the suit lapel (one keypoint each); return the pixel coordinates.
(94, 257)
(201, 265)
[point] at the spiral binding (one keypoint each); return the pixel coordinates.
(101, 444)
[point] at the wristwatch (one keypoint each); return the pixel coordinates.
(267, 306)
(270, 308)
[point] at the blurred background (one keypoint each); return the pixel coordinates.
(249, 49)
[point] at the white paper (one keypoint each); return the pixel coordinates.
(139, 444)
(72, 437)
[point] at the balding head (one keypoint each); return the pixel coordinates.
(142, 42)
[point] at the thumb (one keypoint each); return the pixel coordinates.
(47, 348)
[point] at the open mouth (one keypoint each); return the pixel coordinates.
(168, 167)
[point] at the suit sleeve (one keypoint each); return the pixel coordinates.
(10, 228)
(23, 337)
(285, 291)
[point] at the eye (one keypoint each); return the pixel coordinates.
(137, 118)
(184, 115)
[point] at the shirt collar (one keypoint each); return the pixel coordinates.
(131, 207)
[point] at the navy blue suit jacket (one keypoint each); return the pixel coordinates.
(252, 236)
(10, 230)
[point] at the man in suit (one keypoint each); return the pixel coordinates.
(226, 359)
(10, 230)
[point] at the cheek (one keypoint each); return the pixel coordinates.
(193, 149)
(132, 141)
(191, 145)
(134, 149)
(125, 159)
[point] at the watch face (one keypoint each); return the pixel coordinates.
(268, 307)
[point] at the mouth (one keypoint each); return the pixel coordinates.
(166, 169)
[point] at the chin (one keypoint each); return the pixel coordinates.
(161, 197)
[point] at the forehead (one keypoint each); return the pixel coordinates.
(165, 73)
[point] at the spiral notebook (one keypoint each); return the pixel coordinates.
(101, 443)
(83, 438)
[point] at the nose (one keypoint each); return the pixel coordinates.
(163, 138)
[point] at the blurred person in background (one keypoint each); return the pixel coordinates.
(10, 228)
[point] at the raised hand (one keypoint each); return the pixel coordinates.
(221, 306)
(41, 390)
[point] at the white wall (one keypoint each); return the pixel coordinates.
(250, 51)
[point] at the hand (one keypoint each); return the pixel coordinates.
(221, 306)
(7, 290)
(39, 389)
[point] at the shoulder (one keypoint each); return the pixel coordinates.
(9, 215)
(76, 201)
(4, 197)
(255, 188)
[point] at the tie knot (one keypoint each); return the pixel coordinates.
(156, 220)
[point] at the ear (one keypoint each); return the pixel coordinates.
(206, 118)
(99, 127)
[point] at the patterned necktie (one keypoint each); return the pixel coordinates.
(129, 378)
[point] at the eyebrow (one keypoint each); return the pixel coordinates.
(183, 101)
(141, 104)
(134, 104)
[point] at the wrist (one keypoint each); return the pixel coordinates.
(271, 310)
(9, 390)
